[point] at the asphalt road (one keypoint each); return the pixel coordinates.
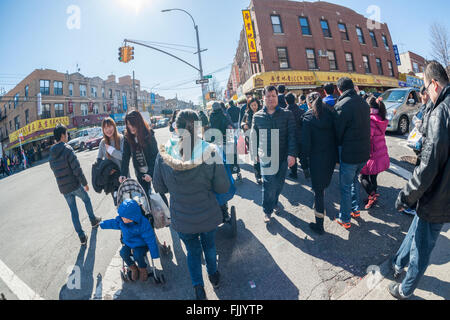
(282, 260)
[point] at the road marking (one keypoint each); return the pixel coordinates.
(17, 286)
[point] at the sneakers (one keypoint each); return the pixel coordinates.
(83, 240)
(215, 279)
(355, 214)
(346, 225)
(267, 218)
(371, 200)
(395, 291)
(410, 212)
(259, 181)
(396, 271)
(200, 293)
(143, 274)
(96, 223)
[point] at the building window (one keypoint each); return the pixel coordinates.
(95, 108)
(332, 59)
(110, 93)
(416, 67)
(283, 58)
(304, 24)
(84, 109)
(83, 90)
(16, 100)
(59, 110)
(276, 24)
(343, 30)
(311, 59)
(391, 69)
(26, 92)
(10, 125)
(379, 66)
(386, 45)
(349, 61)
(45, 87)
(71, 89)
(374, 39)
(27, 117)
(16, 123)
(94, 92)
(103, 92)
(325, 28)
(360, 35)
(58, 88)
(46, 113)
(366, 64)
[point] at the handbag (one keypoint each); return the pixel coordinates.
(242, 146)
(415, 140)
(160, 211)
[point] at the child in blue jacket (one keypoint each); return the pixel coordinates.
(138, 235)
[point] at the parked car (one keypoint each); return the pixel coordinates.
(162, 123)
(81, 137)
(402, 104)
(94, 142)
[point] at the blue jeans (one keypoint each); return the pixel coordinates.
(70, 198)
(138, 255)
(272, 187)
(195, 244)
(415, 250)
(350, 189)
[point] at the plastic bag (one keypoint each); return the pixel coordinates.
(160, 211)
(415, 140)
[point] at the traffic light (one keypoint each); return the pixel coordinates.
(130, 53)
(121, 54)
(125, 55)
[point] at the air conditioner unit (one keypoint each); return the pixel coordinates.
(323, 53)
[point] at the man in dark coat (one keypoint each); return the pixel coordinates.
(234, 113)
(298, 116)
(428, 188)
(281, 96)
(71, 181)
(277, 157)
(352, 123)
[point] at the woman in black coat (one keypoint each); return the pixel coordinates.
(140, 144)
(319, 153)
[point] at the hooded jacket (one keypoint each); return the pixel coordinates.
(192, 185)
(319, 149)
(429, 186)
(136, 234)
(352, 122)
(66, 168)
(105, 176)
(379, 157)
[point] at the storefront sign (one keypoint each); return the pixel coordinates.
(38, 125)
(251, 42)
(397, 55)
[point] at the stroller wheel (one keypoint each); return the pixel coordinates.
(233, 223)
(239, 177)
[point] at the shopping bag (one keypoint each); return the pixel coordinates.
(160, 211)
(414, 139)
(242, 146)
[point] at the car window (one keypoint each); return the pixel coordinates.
(397, 96)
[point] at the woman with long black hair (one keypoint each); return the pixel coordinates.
(252, 107)
(141, 145)
(319, 153)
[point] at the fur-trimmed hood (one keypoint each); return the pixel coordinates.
(203, 152)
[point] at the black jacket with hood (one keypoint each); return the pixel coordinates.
(429, 187)
(66, 168)
(105, 176)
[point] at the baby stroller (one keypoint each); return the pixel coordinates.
(131, 189)
(229, 219)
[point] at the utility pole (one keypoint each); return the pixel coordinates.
(135, 95)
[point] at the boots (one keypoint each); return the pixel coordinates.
(318, 226)
(134, 272)
(143, 275)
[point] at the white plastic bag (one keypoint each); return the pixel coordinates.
(414, 138)
(160, 211)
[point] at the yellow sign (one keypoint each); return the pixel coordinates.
(333, 77)
(38, 125)
(250, 36)
(287, 78)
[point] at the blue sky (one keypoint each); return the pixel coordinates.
(34, 34)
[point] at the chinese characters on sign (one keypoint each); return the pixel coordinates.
(250, 36)
(38, 126)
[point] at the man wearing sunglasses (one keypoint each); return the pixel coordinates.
(429, 188)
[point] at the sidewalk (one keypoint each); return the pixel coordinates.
(434, 285)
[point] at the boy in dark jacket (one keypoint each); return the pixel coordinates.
(71, 180)
(137, 235)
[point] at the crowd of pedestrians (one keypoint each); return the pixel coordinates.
(320, 133)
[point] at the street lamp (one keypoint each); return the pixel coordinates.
(198, 49)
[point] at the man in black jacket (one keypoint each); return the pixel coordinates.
(352, 123)
(275, 157)
(429, 187)
(71, 180)
(234, 113)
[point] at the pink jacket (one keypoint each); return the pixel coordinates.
(379, 158)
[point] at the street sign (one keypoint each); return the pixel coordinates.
(397, 55)
(202, 81)
(208, 76)
(153, 98)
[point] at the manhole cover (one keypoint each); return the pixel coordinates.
(410, 159)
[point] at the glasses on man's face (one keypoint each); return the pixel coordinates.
(426, 90)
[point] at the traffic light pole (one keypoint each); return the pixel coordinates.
(200, 64)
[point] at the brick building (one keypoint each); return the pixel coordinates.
(305, 44)
(73, 99)
(412, 62)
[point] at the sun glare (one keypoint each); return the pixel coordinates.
(135, 5)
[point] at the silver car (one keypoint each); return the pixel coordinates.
(402, 105)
